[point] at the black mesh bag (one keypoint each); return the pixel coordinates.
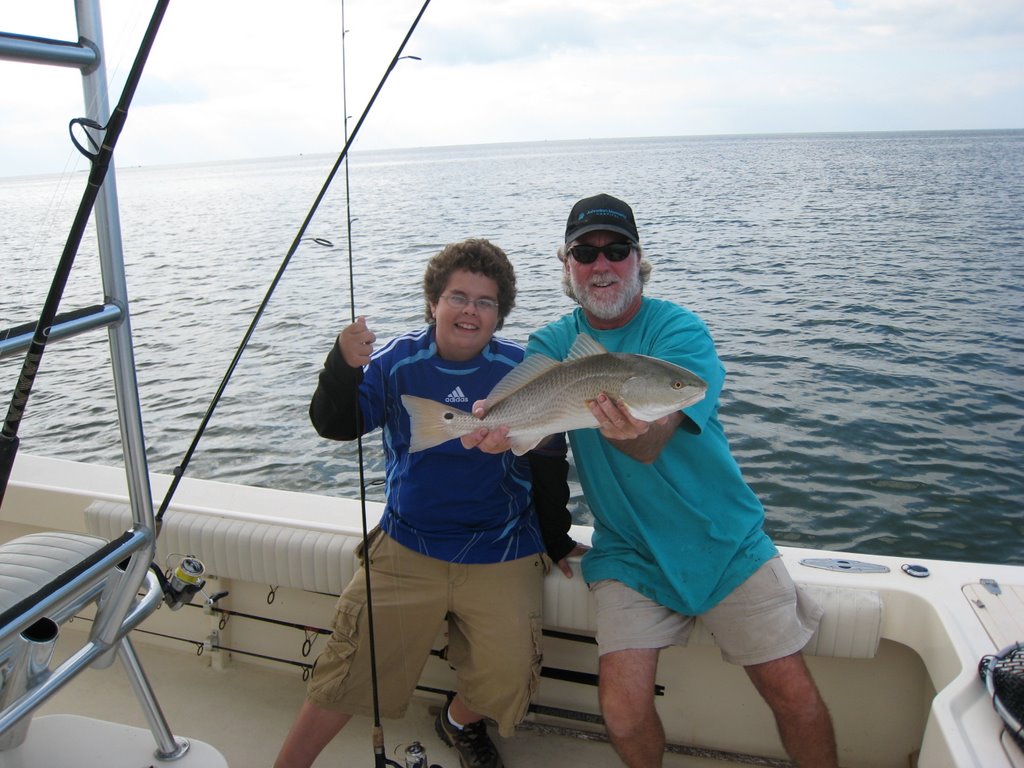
(1003, 675)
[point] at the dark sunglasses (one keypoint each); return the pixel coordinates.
(587, 254)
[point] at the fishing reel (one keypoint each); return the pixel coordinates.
(181, 583)
(415, 757)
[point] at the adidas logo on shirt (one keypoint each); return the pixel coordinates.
(456, 396)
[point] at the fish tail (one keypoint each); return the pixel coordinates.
(430, 422)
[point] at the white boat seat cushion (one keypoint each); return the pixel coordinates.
(30, 562)
(244, 548)
(851, 626)
(283, 555)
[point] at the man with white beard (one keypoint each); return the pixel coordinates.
(678, 533)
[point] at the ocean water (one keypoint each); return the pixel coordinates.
(865, 291)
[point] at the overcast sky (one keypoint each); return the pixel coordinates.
(232, 79)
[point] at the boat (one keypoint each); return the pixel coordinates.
(128, 642)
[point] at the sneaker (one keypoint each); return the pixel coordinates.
(475, 748)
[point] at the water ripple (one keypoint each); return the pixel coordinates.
(864, 291)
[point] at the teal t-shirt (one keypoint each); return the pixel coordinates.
(685, 530)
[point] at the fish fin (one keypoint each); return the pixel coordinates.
(535, 366)
(524, 445)
(427, 422)
(529, 370)
(585, 346)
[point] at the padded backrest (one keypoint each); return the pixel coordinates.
(323, 561)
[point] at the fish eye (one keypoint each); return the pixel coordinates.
(677, 384)
(448, 415)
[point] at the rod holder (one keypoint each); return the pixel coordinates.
(30, 666)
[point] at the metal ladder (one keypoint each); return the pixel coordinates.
(56, 575)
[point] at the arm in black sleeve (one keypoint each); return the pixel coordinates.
(550, 470)
(334, 408)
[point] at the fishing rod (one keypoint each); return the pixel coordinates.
(380, 759)
(179, 471)
(100, 160)
(377, 732)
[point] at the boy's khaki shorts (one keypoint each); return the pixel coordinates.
(494, 633)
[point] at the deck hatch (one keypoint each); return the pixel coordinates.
(844, 565)
(1001, 613)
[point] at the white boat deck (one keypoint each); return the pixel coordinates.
(244, 711)
(914, 699)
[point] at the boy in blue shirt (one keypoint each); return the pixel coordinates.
(462, 534)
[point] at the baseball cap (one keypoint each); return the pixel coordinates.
(601, 213)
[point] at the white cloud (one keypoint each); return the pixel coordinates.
(245, 78)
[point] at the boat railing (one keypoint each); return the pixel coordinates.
(47, 578)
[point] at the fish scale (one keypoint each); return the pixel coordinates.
(541, 396)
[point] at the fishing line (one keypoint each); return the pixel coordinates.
(377, 730)
(100, 162)
(380, 758)
(179, 471)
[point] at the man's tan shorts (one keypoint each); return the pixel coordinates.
(494, 633)
(765, 618)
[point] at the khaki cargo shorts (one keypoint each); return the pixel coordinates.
(494, 633)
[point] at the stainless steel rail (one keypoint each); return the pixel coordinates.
(114, 577)
(68, 324)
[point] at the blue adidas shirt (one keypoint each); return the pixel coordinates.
(447, 502)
